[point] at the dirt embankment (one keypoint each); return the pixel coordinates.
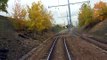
(97, 32)
(13, 44)
(83, 50)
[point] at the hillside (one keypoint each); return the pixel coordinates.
(100, 30)
(15, 44)
(5, 27)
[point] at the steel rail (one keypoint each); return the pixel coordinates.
(51, 49)
(68, 54)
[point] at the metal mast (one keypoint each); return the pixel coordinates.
(69, 9)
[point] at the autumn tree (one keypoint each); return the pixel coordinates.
(3, 5)
(32, 18)
(39, 17)
(100, 11)
(85, 15)
(19, 15)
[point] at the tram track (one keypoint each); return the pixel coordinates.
(59, 50)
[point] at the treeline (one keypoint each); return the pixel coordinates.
(88, 17)
(32, 18)
(3, 5)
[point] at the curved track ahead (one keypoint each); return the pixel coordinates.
(59, 50)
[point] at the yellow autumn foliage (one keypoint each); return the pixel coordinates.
(91, 16)
(39, 16)
(100, 9)
(19, 15)
(33, 18)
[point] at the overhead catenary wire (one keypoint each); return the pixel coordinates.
(69, 9)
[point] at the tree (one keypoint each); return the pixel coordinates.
(57, 28)
(85, 15)
(3, 4)
(19, 15)
(89, 17)
(40, 18)
(100, 11)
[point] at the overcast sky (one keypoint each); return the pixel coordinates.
(59, 13)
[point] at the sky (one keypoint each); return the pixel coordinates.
(59, 13)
